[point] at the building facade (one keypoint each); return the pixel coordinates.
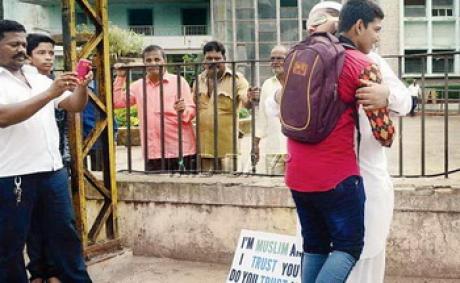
(250, 28)
(430, 26)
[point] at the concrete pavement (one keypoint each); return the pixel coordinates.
(126, 268)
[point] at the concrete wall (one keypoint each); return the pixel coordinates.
(199, 218)
(391, 32)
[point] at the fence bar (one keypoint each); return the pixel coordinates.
(234, 119)
(253, 120)
(423, 117)
(197, 120)
(400, 136)
(144, 116)
(179, 120)
(162, 119)
(128, 120)
(446, 117)
(216, 120)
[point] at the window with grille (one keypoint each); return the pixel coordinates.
(415, 8)
(414, 65)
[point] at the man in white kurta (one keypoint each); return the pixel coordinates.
(378, 186)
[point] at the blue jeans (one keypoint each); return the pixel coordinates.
(332, 221)
(49, 193)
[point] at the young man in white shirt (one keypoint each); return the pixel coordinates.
(40, 52)
(31, 170)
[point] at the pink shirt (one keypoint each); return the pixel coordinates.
(170, 92)
(321, 167)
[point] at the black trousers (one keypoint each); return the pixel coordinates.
(172, 164)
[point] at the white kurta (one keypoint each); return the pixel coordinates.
(379, 204)
(268, 127)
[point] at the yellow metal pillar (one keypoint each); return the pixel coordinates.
(82, 178)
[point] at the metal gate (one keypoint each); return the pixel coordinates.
(82, 178)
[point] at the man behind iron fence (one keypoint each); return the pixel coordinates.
(214, 55)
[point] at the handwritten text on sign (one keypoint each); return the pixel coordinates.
(265, 258)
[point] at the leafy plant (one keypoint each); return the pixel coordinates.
(189, 70)
(244, 113)
(123, 42)
(453, 90)
(121, 117)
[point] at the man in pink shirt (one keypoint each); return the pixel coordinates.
(153, 56)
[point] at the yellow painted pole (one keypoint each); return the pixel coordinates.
(103, 131)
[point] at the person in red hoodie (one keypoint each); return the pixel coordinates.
(324, 178)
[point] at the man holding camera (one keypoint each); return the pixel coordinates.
(31, 170)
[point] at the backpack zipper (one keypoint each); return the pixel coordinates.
(308, 95)
(284, 89)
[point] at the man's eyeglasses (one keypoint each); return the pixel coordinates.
(273, 59)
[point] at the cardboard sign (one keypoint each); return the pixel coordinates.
(266, 258)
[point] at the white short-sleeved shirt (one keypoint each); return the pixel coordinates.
(31, 146)
(268, 127)
(414, 90)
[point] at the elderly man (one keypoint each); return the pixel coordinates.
(270, 142)
(31, 170)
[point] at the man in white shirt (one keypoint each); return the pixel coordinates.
(415, 93)
(31, 169)
(270, 142)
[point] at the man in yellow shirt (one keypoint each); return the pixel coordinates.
(216, 71)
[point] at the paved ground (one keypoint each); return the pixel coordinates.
(128, 269)
(412, 156)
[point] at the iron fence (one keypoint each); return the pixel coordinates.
(424, 110)
(441, 115)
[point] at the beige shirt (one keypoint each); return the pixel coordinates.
(205, 107)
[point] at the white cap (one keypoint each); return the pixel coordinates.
(326, 5)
